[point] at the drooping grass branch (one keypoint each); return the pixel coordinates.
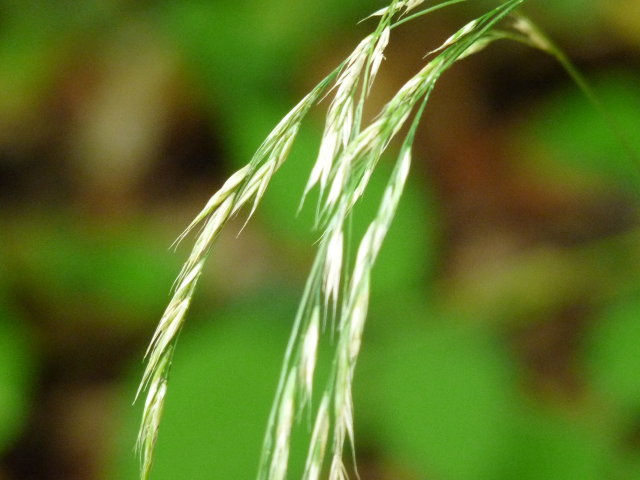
(336, 289)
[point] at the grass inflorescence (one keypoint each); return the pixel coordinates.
(336, 292)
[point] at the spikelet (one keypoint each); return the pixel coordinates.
(348, 155)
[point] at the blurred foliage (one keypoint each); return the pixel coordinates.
(222, 387)
(577, 141)
(241, 57)
(117, 273)
(436, 396)
(468, 338)
(543, 446)
(17, 365)
(613, 356)
(17, 372)
(415, 398)
(562, 12)
(36, 38)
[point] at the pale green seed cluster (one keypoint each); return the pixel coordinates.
(348, 155)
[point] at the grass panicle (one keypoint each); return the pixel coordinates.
(246, 186)
(338, 287)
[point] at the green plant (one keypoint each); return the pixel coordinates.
(337, 290)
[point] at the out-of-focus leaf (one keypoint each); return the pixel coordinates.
(572, 140)
(123, 272)
(222, 387)
(562, 13)
(629, 466)
(237, 46)
(437, 397)
(34, 38)
(613, 355)
(545, 448)
(16, 373)
(28, 63)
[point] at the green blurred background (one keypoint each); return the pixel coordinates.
(503, 336)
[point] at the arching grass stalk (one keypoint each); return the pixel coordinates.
(530, 34)
(335, 289)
